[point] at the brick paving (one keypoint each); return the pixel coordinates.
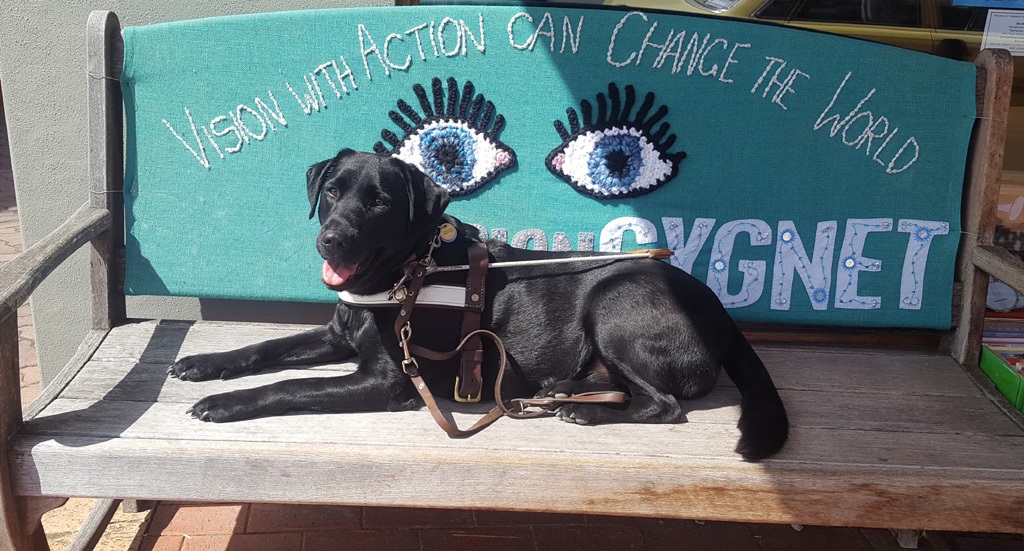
(179, 527)
(260, 527)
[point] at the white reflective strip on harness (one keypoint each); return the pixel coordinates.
(432, 295)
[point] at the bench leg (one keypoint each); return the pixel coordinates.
(137, 506)
(21, 527)
(38, 537)
(92, 530)
(907, 539)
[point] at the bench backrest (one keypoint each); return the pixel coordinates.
(807, 178)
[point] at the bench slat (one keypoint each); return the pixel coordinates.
(851, 369)
(537, 480)
(710, 433)
(841, 389)
(836, 410)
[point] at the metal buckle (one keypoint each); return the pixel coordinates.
(468, 400)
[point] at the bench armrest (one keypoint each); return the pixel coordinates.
(1002, 264)
(21, 276)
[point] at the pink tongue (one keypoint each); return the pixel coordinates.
(335, 273)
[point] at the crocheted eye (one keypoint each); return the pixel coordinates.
(455, 142)
(614, 157)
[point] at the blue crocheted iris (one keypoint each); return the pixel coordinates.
(619, 154)
(455, 142)
(616, 162)
(448, 155)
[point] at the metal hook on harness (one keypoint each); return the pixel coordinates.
(409, 364)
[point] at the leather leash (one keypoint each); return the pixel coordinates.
(407, 290)
(519, 408)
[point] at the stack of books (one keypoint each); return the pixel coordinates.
(1002, 359)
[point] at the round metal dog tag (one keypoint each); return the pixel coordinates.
(448, 233)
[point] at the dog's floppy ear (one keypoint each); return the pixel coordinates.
(317, 175)
(427, 200)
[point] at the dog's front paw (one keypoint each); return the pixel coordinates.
(559, 389)
(222, 408)
(202, 367)
(581, 414)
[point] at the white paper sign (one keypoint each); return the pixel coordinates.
(1005, 29)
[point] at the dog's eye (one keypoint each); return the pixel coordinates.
(614, 157)
(455, 142)
(379, 202)
(332, 191)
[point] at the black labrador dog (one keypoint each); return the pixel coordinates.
(641, 326)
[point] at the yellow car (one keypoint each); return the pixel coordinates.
(933, 26)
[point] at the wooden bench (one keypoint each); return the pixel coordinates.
(891, 428)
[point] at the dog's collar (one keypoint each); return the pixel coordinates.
(443, 296)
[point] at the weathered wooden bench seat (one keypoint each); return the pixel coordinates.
(891, 435)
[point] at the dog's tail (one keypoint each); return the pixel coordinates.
(764, 426)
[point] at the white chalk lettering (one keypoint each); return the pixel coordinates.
(783, 87)
(731, 60)
(692, 53)
(307, 102)
(201, 154)
(419, 41)
(546, 28)
(460, 38)
(873, 128)
(572, 37)
(364, 36)
(225, 131)
(271, 115)
(511, 31)
(467, 33)
(387, 51)
(615, 34)
(237, 119)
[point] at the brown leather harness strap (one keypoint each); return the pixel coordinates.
(468, 387)
(470, 383)
(411, 369)
(520, 408)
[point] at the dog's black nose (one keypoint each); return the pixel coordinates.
(331, 242)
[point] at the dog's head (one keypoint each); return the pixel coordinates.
(375, 212)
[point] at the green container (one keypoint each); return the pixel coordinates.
(1009, 382)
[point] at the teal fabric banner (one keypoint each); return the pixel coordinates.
(807, 178)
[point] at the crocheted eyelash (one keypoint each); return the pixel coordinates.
(615, 155)
(455, 141)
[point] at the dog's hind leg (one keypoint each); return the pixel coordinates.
(570, 387)
(643, 407)
(657, 359)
